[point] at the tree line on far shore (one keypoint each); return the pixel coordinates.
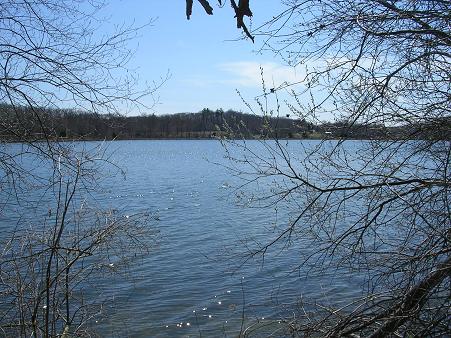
(19, 122)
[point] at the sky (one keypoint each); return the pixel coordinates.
(205, 61)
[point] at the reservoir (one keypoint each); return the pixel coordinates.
(197, 276)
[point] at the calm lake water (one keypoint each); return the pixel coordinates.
(192, 282)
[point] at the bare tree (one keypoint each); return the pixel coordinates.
(377, 208)
(52, 56)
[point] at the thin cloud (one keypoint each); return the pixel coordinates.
(248, 73)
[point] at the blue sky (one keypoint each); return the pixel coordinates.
(205, 66)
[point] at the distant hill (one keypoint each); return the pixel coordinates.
(23, 123)
(73, 124)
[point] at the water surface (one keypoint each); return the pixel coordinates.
(192, 282)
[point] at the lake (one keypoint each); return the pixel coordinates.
(194, 281)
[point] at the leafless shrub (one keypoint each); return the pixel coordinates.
(376, 208)
(52, 57)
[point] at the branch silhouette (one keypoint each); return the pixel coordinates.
(241, 10)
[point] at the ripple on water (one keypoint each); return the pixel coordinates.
(183, 286)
